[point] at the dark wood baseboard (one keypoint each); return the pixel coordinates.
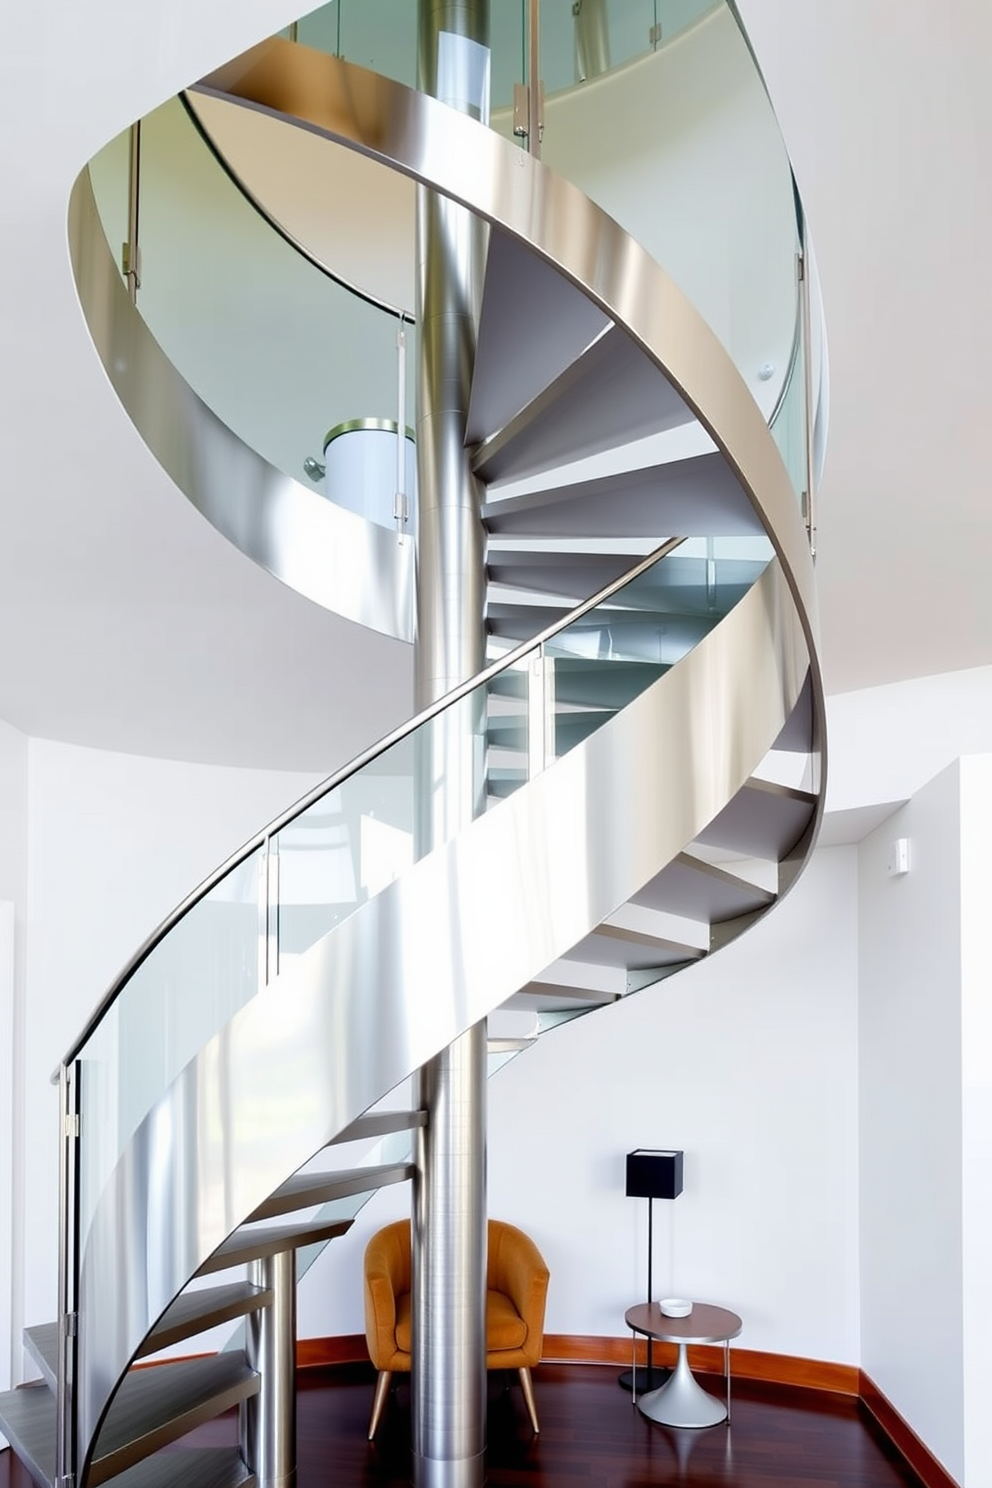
(571, 1348)
(919, 1456)
(750, 1364)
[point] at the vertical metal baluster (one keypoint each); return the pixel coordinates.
(131, 253)
(65, 1442)
(401, 510)
(810, 512)
(535, 87)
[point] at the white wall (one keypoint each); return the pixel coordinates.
(921, 1167)
(976, 1112)
(887, 742)
(748, 1063)
(13, 906)
(116, 841)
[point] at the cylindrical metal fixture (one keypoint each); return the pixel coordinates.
(268, 1419)
(448, 1380)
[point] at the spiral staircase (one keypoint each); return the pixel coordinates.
(649, 780)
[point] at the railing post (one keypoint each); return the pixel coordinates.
(65, 1441)
(810, 502)
(540, 712)
(131, 253)
(528, 97)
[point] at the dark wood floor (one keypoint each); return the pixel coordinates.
(590, 1437)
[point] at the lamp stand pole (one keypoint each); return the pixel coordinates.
(651, 1377)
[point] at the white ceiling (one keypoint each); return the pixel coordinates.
(129, 623)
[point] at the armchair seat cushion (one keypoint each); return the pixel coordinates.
(505, 1328)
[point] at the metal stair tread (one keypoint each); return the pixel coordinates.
(42, 1343)
(571, 576)
(189, 1467)
(610, 394)
(193, 1312)
(540, 996)
(533, 323)
(379, 1124)
(305, 1190)
(581, 681)
(697, 889)
(694, 497)
(253, 1242)
(28, 1420)
(764, 820)
(159, 1403)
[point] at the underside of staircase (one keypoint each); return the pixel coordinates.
(650, 757)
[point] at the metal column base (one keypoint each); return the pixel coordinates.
(466, 1472)
(681, 1402)
(268, 1419)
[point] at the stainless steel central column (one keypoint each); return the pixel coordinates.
(449, 1207)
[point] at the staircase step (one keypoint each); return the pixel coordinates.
(628, 635)
(582, 682)
(190, 1467)
(703, 891)
(160, 1403)
(542, 997)
(42, 1343)
(609, 395)
(254, 1242)
(306, 1190)
(504, 780)
(509, 1045)
(764, 820)
(572, 576)
(640, 939)
(797, 734)
(380, 1124)
(511, 732)
(194, 1312)
(694, 498)
(533, 323)
(28, 1421)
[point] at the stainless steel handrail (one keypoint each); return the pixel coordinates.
(262, 838)
(295, 243)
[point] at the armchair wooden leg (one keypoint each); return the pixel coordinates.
(527, 1385)
(381, 1391)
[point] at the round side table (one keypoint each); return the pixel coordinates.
(680, 1401)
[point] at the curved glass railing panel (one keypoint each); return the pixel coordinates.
(282, 352)
(188, 986)
(266, 339)
(345, 843)
(580, 39)
(656, 110)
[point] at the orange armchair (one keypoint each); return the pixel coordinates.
(516, 1289)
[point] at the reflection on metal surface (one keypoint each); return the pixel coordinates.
(332, 556)
(448, 1370)
(412, 968)
(475, 167)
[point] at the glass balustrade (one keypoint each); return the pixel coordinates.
(367, 828)
(671, 131)
(264, 337)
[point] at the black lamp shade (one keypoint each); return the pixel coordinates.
(653, 1175)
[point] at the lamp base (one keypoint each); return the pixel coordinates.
(647, 1379)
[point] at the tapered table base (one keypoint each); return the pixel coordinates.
(680, 1401)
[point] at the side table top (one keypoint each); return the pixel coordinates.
(705, 1323)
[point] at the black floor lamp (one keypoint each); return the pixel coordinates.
(651, 1174)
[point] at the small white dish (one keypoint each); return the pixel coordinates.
(675, 1307)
